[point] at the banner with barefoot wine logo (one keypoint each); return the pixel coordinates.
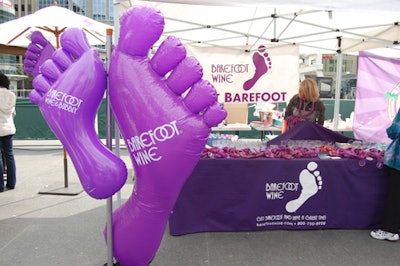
(268, 74)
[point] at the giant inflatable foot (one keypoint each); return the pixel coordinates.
(69, 91)
(165, 120)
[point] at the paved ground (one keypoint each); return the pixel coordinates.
(49, 230)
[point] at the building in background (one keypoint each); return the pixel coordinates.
(349, 73)
(322, 68)
(101, 10)
(9, 63)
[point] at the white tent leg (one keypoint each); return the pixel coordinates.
(336, 108)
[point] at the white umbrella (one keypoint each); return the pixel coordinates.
(51, 21)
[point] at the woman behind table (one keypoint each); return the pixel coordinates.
(391, 217)
(306, 104)
(7, 131)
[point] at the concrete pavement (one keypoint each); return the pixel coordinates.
(40, 230)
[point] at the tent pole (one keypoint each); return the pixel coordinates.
(339, 64)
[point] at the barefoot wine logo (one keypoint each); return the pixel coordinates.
(224, 73)
(252, 73)
(143, 147)
(310, 182)
(63, 101)
(276, 190)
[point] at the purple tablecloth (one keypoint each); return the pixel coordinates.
(307, 130)
(262, 194)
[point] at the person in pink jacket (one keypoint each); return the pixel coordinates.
(7, 131)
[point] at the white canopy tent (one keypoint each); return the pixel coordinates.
(331, 4)
(315, 27)
(329, 27)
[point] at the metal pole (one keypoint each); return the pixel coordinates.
(117, 132)
(65, 156)
(65, 169)
(109, 209)
(110, 256)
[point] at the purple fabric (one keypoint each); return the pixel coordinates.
(253, 194)
(377, 100)
(307, 130)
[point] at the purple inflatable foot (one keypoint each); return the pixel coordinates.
(69, 91)
(38, 51)
(165, 121)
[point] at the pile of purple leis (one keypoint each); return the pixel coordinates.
(358, 153)
(291, 153)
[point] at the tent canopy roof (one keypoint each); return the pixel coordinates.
(386, 5)
(328, 27)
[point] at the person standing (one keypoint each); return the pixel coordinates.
(7, 131)
(306, 105)
(391, 217)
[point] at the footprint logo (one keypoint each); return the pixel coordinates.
(310, 181)
(262, 62)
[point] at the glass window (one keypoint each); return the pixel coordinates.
(44, 3)
(99, 10)
(111, 8)
(8, 64)
(5, 16)
(79, 7)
